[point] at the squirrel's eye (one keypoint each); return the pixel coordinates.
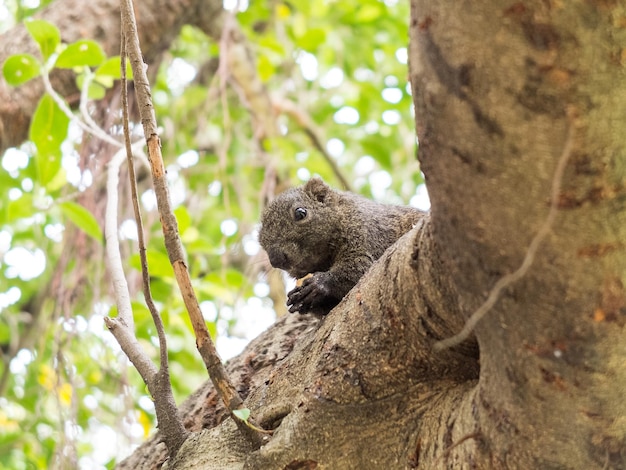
(299, 213)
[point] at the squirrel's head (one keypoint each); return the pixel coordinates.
(300, 229)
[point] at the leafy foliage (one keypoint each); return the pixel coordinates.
(48, 130)
(81, 53)
(20, 68)
(47, 36)
(63, 380)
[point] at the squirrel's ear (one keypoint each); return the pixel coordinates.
(317, 189)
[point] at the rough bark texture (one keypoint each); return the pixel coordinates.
(498, 86)
(361, 389)
(204, 409)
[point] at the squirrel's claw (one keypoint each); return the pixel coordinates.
(313, 296)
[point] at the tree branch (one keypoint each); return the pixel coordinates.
(172, 240)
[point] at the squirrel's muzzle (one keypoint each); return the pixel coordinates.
(278, 259)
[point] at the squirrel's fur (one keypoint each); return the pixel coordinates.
(333, 235)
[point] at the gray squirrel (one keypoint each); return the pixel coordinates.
(333, 235)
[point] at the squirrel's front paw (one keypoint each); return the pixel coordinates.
(315, 295)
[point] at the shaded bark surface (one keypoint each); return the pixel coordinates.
(493, 119)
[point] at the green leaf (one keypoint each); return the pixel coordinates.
(104, 81)
(82, 218)
(81, 53)
(271, 43)
(182, 218)
(243, 414)
(144, 325)
(378, 148)
(96, 91)
(21, 208)
(58, 181)
(20, 68)
(45, 34)
(265, 68)
(5, 333)
(212, 327)
(48, 130)
(235, 279)
(112, 68)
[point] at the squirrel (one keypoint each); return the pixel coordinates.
(334, 236)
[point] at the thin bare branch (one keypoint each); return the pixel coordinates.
(156, 318)
(122, 326)
(173, 244)
(85, 126)
(116, 267)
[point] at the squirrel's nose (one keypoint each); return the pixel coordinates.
(278, 259)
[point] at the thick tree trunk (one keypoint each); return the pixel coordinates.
(502, 91)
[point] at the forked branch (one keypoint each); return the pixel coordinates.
(173, 244)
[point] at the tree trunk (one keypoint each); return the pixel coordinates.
(503, 92)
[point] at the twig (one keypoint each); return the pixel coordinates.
(173, 244)
(531, 252)
(84, 100)
(96, 131)
(122, 327)
(116, 268)
(158, 323)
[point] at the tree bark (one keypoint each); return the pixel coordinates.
(361, 389)
(501, 90)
